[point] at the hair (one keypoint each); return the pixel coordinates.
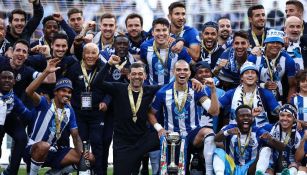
(93, 45)
(210, 24)
(73, 11)
(252, 8)
(175, 5)
(134, 15)
(162, 21)
(242, 107)
(241, 34)
(48, 18)
(297, 4)
(137, 65)
(120, 35)
(22, 41)
(17, 11)
(108, 15)
(60, 36)
(223, 17)
(301, 75)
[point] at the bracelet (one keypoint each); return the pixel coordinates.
(157, 126)
(226, 133)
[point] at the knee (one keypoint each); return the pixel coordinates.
(40, 149)
(204, 132)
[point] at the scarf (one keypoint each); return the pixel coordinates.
(6, 105)
(164, 156)
(277, 133)
(238, 99)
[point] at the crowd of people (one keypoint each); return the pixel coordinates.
(236, 98)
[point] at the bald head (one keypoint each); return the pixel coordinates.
(293, 28)
(90, 54)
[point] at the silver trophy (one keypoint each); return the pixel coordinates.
(173, 139)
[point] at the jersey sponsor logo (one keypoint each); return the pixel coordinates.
(159, 69)
(81, 77)
(18, 77)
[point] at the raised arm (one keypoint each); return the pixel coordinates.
(51, 68)
(214, 108)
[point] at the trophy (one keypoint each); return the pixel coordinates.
(173, 139)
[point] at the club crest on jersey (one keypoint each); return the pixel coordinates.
(116, 74)
(18, 77)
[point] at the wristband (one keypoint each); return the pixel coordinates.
(226, 133)
(180, 39)
(262, 85)
(157, 126)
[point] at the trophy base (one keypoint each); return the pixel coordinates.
(172, 170)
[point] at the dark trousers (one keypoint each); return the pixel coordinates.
(90, 126)
(107, 139)
(127, 156)
(14, 128)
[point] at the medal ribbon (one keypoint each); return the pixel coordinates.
(88, 79)
(271, 67)
(135, 107)
(164, 64)
(58, 120)
(120, 67)
(256, 39)
(184, 99)
(245, 144)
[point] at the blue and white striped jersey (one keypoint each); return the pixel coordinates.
(45, 125)
(182, 121)
(161, 73)
(251, 150)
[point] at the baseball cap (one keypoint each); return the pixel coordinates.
(248, 66)
(274, 36)
(63, 83)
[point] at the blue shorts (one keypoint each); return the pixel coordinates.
(53, 159)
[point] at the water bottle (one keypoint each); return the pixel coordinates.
(84, 164)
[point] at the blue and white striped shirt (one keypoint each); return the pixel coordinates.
(44, 127)
(184, 121)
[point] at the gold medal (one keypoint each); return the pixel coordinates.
(164, 64)
(135, 107)
(184, 99)
(58, 120)
(242, 148)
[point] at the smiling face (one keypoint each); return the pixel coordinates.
(121, 45)
(292, 10)
(7, 81)
(244, 120)
(20, 54)
(286, 120)
(90, 54)
(161, 34)
(59, 48)
(134, 27)
(202, 74)
(108, 27)
(249, 78)
(258, 19)
(209, 37)
(272, 49)
(137, 77)
(18, 23)
(182, 72)
(225, 29)
(62, 95)
(50, 29)
(240, 46)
